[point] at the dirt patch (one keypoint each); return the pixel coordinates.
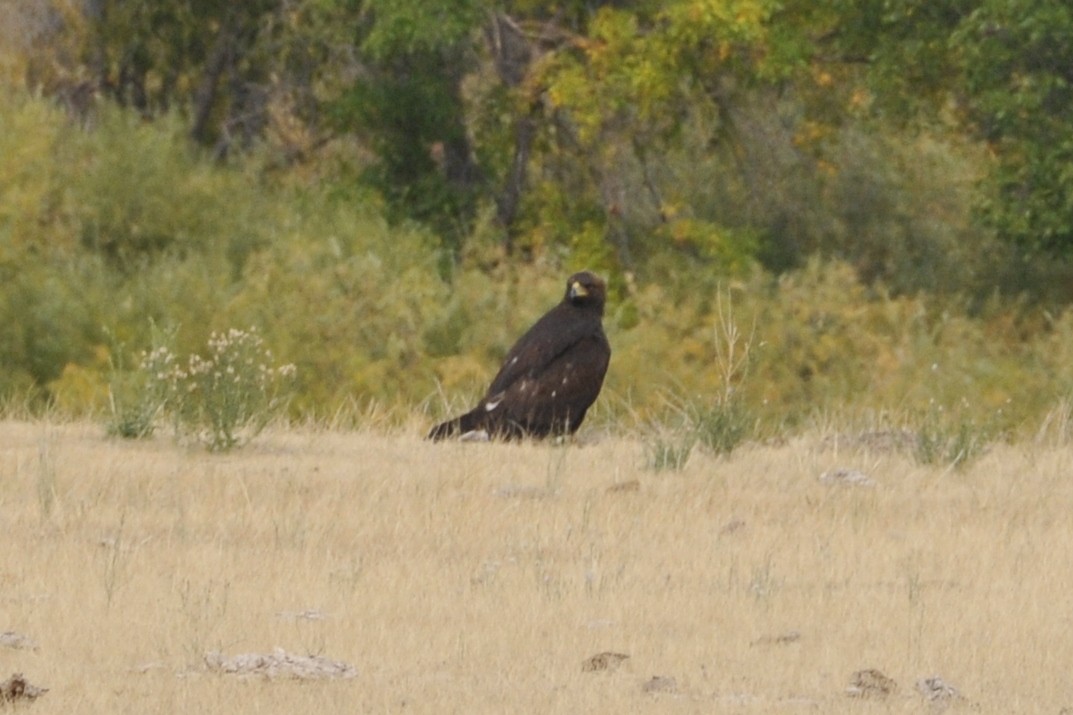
(18, 689)
(603, 661)
(871, 683)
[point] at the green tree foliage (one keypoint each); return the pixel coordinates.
(392, 191)
(560, 118)
(903, 49)
(197, 56)
(618, 99)
(1017, 59)
(408, 103)
(998, 72)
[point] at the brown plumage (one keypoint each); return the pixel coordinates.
(551, 376)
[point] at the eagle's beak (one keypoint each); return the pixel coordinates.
(577, 290)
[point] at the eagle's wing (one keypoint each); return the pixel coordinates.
(555, 398)
(555, 333)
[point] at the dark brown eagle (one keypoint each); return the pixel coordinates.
(551, 376)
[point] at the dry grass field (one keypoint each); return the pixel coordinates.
(476, 578)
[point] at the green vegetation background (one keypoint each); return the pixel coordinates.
(881, 262)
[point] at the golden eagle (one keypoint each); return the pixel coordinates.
(551, 376)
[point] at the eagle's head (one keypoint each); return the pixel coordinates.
(585, 289)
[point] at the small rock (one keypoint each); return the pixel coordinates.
(310, 614)
(660, 684)
(780, 639)
(847, 477)
(603, 661)
(732, 526)
(936, 690)
(870, 684)
(279, 664)
(11, 639)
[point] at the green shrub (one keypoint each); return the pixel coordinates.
(104, 227)
(141, 190)
(951, 437)
(668, 451)
(138, 395)
(723, 426)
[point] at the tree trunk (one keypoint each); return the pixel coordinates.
(513, 55)
(220, 56)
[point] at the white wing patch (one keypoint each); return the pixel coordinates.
(489, 406)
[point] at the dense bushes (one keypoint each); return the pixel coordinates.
(106, 232)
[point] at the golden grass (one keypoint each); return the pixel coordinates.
(478, 578)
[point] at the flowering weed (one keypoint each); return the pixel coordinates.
(221, 399)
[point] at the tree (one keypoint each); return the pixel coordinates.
(237, 71)
(408, 103)
(614, 101)
(999, 72)
(1017, 63)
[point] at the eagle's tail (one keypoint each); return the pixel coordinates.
(456, 427)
